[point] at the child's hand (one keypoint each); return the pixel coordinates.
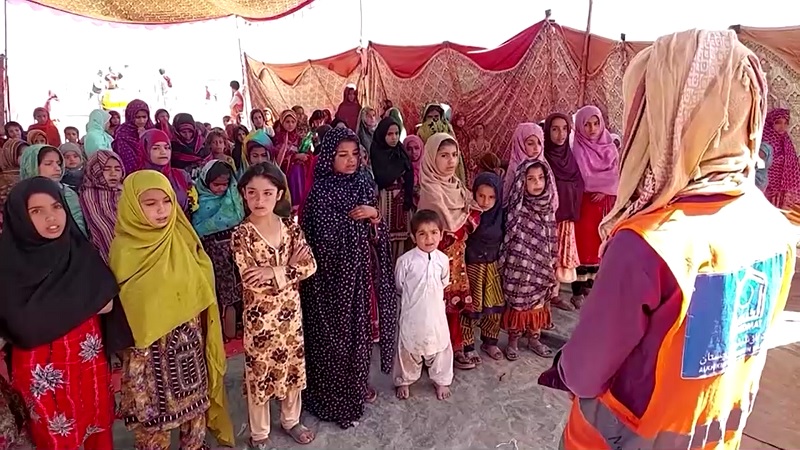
(255, 275)
(301, 255)
(362, 212)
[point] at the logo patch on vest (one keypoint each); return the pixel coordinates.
(728, 316)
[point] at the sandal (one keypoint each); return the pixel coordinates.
(493, 352)
(512, 349)
(473, 357)
(263, 444)
(301, 434)
(370, 396)
(536, 346)
(460, 361)
(577, 301)
(562, 305)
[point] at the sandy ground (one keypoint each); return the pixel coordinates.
(500, 406)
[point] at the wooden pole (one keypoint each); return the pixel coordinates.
(585, 62)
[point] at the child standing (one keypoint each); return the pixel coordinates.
(528, 257)
(273, 257)
(421, 276)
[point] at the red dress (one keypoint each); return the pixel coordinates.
(457, 295)
(67, 387)
(587, 237)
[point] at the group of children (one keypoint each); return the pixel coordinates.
(218, 230)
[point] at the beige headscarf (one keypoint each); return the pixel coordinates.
(695, 104)
(446, 195)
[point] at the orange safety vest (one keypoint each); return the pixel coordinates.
(734, 261)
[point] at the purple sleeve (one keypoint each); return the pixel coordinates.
(614, 318)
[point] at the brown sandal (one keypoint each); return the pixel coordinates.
(512, 349)
(536, 346)
(493, 351)
(473, 357)
(461, 362)
(301, 434)
(577, 301)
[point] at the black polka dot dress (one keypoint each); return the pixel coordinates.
(353, 258)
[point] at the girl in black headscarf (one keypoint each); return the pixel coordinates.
(394, 176)
(55, 286)
(350, 243)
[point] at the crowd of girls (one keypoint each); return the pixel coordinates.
(157, 241)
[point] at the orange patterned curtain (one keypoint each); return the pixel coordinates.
(175, 11)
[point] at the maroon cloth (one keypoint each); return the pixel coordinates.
(633, 304)
(569, 181)
(348, 111)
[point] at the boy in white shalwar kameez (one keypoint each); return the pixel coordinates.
(421, 276)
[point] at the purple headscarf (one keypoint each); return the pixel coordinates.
(597, 158)
(569, 182)
(178, 178)
(126, 136)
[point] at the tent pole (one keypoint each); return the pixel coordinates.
(242, 64)
(585, 62)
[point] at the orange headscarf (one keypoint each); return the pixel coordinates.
(48, 127)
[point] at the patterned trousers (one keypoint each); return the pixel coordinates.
(489, 325)
(192, 434)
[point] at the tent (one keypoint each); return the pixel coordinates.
(544, 68)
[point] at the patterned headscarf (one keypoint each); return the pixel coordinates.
(216, 212)
(784, 172)
(518, 155)
(99, 201)
(9, 168)
(445, 195)
(530, 247)
(688, 138)
(126, 136)
(33, 134)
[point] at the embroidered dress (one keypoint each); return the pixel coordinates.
(67, 388)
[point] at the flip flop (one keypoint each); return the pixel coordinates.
(536, 346)
(297, 433)
(461, 362)
(492, 351)
(512, 353)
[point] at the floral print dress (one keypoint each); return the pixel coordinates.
(273, 331)
(67, 388)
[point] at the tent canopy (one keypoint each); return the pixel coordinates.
(175, 11)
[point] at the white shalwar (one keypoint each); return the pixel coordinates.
(424, 337)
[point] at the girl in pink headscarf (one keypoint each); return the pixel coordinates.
(783, 186)
(414, 146)
(526, 143)
(598, 160)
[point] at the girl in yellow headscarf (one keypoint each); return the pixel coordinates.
(173, 376)
(434, 121)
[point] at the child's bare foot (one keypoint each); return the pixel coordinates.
(442, 392)
(371, 396)
(402, 392)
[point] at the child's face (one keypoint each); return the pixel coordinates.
(592, 127)
(220, 184)
(40, 117)
(414, 149)
(289, 124)
(447, 159)
(535, 181)
(71, 136)
(485, 197)
(533, 147)
(371, 119)
(347, 158)
(114, 121)
(112, 173)
(217, 145)
(258, 155)
(781, 125)
(258, 119)
(393, 135)
(559, 131)
(47, 215)
(160, 153)
(261, 195)
(479, 130)
(39, 140)
(14, 132)
(140, 119)
(50, 166)
(72, 160)
(428, 236)
(162, 116)
(156, 206)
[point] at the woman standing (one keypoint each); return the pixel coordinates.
(569, 187)
(395, 179)
(126, 135)
(349, 110)
(351, 245)
(783, 186)
(167, 290)
(49, 315)
(597, 158)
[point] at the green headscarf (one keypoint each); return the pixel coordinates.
(29, 168)
(216, 213)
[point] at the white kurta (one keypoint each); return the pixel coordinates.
(421, 278)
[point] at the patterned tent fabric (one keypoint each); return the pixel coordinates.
(175, 11)
(534, 73)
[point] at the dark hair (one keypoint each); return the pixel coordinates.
(316, 115)
(162, 71)
(448, 142)
(424, 216)
(48, 149)
(235, 85)
(226, 118)
(216, 134)
(275, 176)
(75, 129)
